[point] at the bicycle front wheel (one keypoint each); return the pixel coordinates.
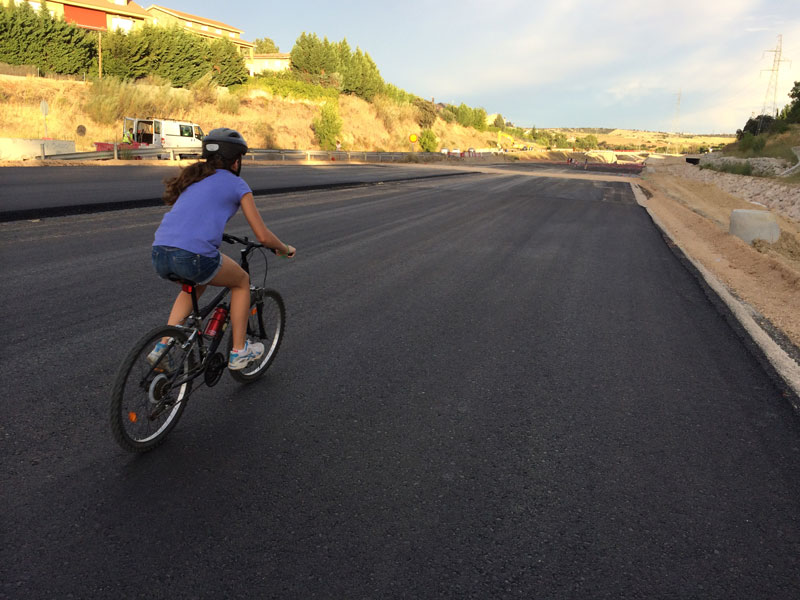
(150, 390)
(265, 324)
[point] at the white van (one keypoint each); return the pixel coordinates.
(165, 133)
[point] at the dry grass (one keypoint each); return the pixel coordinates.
(652, 139)
(266, 121)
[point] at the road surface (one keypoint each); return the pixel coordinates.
(491, 386)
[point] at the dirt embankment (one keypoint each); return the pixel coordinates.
(695, 206)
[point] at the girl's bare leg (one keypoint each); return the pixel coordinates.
(233, 277)
(183, 306)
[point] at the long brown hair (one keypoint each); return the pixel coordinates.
(189, 175)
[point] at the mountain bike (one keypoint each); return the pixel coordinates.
(152, 387)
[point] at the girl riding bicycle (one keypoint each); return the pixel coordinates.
(204, 196)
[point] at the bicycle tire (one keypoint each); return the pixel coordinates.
(267, 315)
(142, 411)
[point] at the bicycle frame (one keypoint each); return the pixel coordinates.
(153, 385)
(193, 323)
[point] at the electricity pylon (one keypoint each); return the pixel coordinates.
(772, 86)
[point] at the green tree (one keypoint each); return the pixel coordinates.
(266, 46)
(586, 143)
(345, 67)
(479, 119)
(370, 83)
(756, 125)
(177, 55)
(30, 38)
(313, 56)
(793, 109)
(126, 56)
(328, 127)
(464, 115)
(226, 63)
(20, 43)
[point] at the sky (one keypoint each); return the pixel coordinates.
(694, 66)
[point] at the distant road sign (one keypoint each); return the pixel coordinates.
(44, 107)
(412, 138)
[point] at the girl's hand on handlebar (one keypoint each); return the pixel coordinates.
(287, 251)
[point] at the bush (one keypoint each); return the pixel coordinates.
(204, 90)
(328, 126)
(755, 126)
(752, 144)
(744, 168)
(289, 85)
(428, 141)
(398, 95)
(426, 113)
(109, 100)
(385, 110)
(447, 116)
(779, 126)
(229, 103)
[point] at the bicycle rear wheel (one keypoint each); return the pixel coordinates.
(147, 400)
(265, 324)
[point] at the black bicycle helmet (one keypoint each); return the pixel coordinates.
(227, 143)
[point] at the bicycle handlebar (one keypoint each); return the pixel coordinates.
(232, 239)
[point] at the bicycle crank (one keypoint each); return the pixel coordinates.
(214, 370)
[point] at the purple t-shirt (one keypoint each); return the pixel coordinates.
(197, 220)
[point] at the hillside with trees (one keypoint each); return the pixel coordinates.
(332, 92)
(764, 136)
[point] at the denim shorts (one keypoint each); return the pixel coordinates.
(184, 264)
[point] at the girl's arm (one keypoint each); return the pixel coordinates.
(261, 231)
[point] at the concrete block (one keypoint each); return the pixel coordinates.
(750, 225)
(22, 149)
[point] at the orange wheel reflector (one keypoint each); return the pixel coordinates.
(132, 417)
(253, 311)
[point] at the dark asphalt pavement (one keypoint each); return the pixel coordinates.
(490, 387)
(34, 192)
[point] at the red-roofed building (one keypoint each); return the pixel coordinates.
(110, 15)
(100, 15)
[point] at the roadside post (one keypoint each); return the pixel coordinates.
(45, 109)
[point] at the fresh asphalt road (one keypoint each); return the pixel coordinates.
(490, 386)
(48, 189)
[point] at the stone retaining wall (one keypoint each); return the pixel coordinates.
(765, 167)
(782, 198)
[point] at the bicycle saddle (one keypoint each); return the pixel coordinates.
(189, 282)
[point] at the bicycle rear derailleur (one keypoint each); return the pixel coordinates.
(216, 365)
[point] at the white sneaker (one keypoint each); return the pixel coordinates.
(168, 363)
(239, 360)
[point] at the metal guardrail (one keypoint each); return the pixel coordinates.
(254, 154)
(257, 154)
(117, 152)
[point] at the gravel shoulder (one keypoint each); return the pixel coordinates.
(694, 208)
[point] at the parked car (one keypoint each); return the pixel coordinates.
(445, 151)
